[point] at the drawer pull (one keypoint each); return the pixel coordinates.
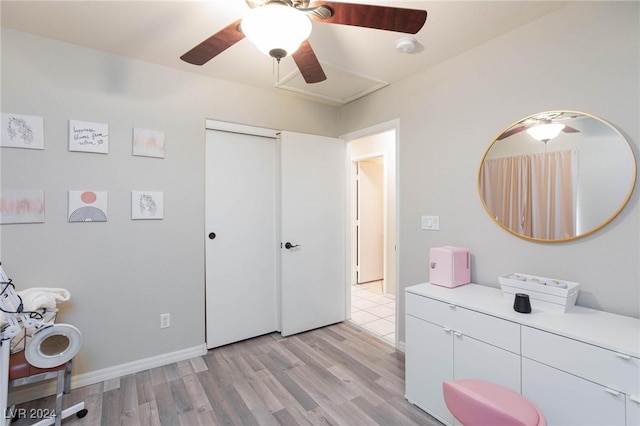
(457, 334)
(612, 392)
(448, 330)
(452, 306)
(623, 356)
(635, 399)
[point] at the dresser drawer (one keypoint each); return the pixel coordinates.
(486, 328)
(610, 369)
(431, 310)
(568, 400)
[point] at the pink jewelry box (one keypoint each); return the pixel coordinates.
(449, 266)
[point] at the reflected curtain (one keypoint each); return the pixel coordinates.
(505, 188)
(533, 195)
(554, 194)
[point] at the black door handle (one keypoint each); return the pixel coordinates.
(212, 235)
(289, 246)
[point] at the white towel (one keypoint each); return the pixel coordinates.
(43, 297)
(40, 299)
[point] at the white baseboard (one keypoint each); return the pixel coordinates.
(31, 392)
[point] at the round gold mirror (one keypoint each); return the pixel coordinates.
(556, 176)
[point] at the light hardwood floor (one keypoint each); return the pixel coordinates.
(337, 375)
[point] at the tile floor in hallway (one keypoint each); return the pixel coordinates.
(373, 311)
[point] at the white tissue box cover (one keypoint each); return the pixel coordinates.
(542, 296)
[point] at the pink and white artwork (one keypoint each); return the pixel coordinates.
(87, 206)
(148, 143)
(22, 131)
(147, 205)
(88, 137)
(21, 206)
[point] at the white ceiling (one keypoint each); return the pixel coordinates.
(356, 60)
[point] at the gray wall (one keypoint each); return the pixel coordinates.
(583, 57)
(122, 274)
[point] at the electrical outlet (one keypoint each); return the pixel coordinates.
(165, 320)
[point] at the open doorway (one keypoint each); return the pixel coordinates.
(373, 233)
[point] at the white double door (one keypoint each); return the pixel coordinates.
(262, 191)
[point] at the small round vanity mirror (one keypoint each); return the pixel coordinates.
(557, 176)
(53, 345)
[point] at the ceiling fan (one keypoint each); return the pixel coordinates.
(544, 126)
(265, 16)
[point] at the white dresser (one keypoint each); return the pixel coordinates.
(580, 368)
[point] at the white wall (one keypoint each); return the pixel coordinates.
(583, 57)
(122, 274)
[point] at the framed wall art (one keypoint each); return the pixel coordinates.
(147, 205)
(22, 131)
(148, 143)
(21, 206)
(88, 137)
(87, 206)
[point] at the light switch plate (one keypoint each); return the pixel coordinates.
(432, 223)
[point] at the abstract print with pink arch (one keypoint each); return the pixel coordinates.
(87, 206)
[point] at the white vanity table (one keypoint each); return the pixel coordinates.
(580, 368)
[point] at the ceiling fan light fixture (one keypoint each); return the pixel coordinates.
(545, 131)
(276, 29)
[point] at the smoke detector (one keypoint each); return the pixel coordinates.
(406, 44)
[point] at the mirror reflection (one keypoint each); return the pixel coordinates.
(557, 176)
(54, 345)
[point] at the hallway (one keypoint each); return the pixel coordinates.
(373, 311)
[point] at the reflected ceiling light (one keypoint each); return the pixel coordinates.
(545, 131)
(276, 29)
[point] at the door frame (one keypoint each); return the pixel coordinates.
(264, 132)
(348, 137)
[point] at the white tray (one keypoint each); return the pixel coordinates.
(544, 293)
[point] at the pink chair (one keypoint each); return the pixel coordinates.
(479, 403)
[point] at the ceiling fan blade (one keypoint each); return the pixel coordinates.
(214, 45)
(512, 131)
(569, 129)
(379, 17)
(308, 63)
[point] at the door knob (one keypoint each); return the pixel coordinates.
(212, 235)
(289, 246)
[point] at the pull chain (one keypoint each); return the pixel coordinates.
(276, 62)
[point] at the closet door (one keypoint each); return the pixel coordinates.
(313, 217)
(241, 241)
